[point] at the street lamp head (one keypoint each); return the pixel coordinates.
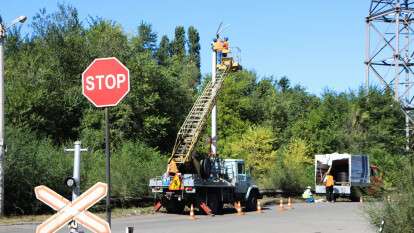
(22, 19)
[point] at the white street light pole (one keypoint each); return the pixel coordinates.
(77, 149)
(3, 29)
(2, 35)
(214, 110)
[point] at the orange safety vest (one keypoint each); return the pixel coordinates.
(218, 46)
(175, 183)
(329, 181)
(225, 47)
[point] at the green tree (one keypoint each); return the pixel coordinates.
(106, 38)
(324, 126)
(43, 84)
(194, 46)
(147, 39)
(178, 45)
(163, 52)
(296, 166)
(255, 146)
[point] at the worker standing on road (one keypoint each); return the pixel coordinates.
(329, 185)
(308, 196)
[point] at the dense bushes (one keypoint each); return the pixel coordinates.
(398, 206)
(31, 162)
(295, 167)
(131, 166)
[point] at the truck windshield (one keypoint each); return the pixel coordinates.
(240, 168)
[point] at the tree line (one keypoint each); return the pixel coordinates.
(274, 125)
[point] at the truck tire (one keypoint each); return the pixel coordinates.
(174, 206)
(251, 202)
(214, 203)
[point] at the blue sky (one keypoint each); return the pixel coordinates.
(318, 44)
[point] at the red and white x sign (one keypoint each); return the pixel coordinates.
(76, 210)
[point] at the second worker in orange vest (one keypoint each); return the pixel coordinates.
(329, 187)
(226, 48)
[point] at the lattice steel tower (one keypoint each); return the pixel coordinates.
(389, 56)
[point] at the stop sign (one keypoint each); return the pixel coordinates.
(105, 82)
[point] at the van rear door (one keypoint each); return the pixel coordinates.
(360, 171)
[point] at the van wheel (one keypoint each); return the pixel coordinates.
(355, 194)
(251, 203)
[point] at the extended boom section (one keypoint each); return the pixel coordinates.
(192, 127)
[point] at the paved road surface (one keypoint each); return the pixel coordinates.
(316, 218)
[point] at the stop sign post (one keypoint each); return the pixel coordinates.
(105, 83)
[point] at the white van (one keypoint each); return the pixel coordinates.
(350, 172)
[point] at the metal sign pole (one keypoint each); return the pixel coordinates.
(108, 167)
(104, 96)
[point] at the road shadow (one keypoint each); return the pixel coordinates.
(225, 211)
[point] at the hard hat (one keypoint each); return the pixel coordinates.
(226, 38)
(215, 40)
(309, 187)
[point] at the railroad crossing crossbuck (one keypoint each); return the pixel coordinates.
(76, 210)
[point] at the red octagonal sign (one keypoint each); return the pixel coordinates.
(105, 82)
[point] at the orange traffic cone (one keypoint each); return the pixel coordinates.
(259, 207)
(281, 207)
(236, 207)
(290, 206)
(239, 208)
(192, 215)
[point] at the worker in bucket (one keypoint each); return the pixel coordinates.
(218, 47)
(329, 187)
(226, 48)
(308, 196)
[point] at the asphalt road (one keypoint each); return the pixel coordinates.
(304, 218)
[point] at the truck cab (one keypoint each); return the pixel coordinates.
(245, 188)
(237, 175)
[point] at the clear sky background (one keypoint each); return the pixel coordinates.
(318, 44)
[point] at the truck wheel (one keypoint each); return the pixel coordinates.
(174, 206)
(251, 202)
(214, 203)
(355, 194)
